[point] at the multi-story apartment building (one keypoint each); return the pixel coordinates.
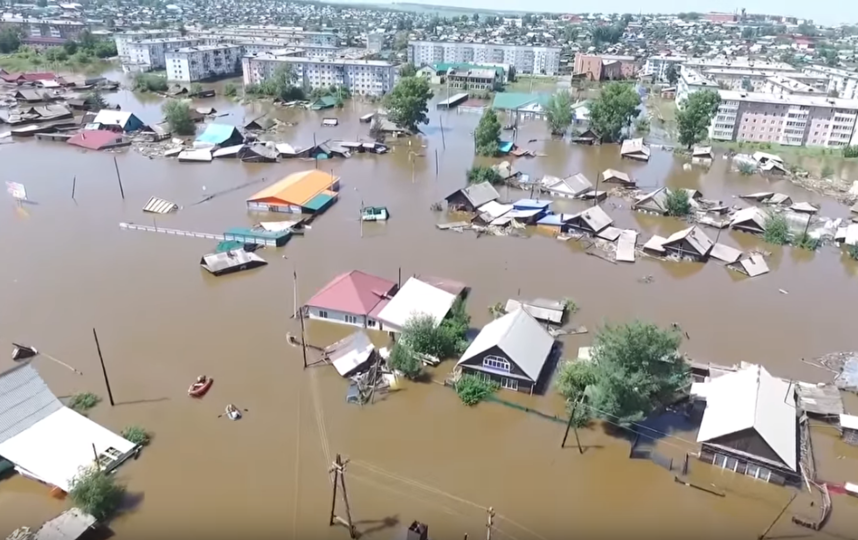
(363, 77)
(291, 35)
(778, 85)
(844, 83)
(375, 41)
(475, 78)
(602, 67)
(523, 58)
(656, 66)
(691, 81)
(203, 62)
(785, 119)
(124, 39)
(59, 30)
(755, 80)
(150, 53)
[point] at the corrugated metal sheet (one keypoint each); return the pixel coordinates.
(626, 246)
(160, 206)
(25, 399)
(540, 309)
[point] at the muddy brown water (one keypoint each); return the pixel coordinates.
(418, 454)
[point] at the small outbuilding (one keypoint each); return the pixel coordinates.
(635, 149)
(751, 220)
(468, 199)
(118, 121)
(415, 298)
(220, 135)
(612, 176)
(230, 262)
(590, 221)
(351, 354)
(689, 243)
(654, 202)
(541, 309)
(569, 187)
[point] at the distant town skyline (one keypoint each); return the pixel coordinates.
(827, 13)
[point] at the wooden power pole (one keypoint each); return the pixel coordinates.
(574, 427)
(338, 468)
(490, 523)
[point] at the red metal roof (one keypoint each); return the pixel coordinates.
(16, 77)
(92, 139)
(354, 292)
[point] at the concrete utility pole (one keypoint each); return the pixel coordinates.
(339, 470)
(490, 522)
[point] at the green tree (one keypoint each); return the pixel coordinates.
(56, 54)
(97, 493)
(614, 109)
(230, 89)
(406, 104)
(10, 40)
(635, 369)
(70, 46)
(105, 49)
(672, 74)
(195, 88)
(42, 3)
(776, 230)
(487, 134)
(807, 29)
(852, 251)
(87, 40)
(482, 173)
(748, 33)
(150, 82)
(178, 116)
(678, 203)
(695, 116)
(96, 101)
(403, 359)
(476, 17)
(558, 112)
(407, 70)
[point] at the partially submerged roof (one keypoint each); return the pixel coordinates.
(702, 151)
(635, 147)
(25, 400)
(655, 201)
(354, 292)
(754, 266)
(655, 244)
(750, 215)
(160, 206)
(493, 210)
(110, 117)
(804, 207)
(571, 185)
(445, 284)
(478, 194)
(696, 238)
(216, 134)
(821, 399)
(763, 157)
(296, 189)
(94, 139)
(350, 353)
(520, 337)
(540, 308)
(725, 253)
(615, 176)
(231, 261)
(595, 218)
(626, 246)
(416, 298)
(751, 398)
(70, 525)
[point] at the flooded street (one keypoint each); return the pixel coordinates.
(419, 453)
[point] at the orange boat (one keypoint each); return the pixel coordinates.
(199, 388)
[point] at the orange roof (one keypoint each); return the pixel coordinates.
(296, 189)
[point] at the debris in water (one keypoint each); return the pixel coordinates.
(646, 279)
(782, 291)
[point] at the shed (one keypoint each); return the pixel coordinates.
(351, 354)
(118, 120)
(635, 149)
(691, 242)
(781, 199)
(261, 123)
(220, 135)
(591, 220)
(752, 220)
(491, 211)
(588, 136)
(258, 153)
(849, 427)
(820, 400)
(311, 190)
(750, 425)
(541, 309)
(753, 266)
(200, 155)
(512, 350)
(570, 187)
(472, 197)
(612, 176)
(47, 441)
(804, 207)
(229, 262)
(725, 253)
(160, 206)
(95, 139)
(260, 237)
(654, 202)
(762, 158)
(324, 102)
(702, 153)
(415, 298)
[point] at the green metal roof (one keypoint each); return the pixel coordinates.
(324, 102)
(319, 202)
(256, 233)
(445, 66)
(517, 100)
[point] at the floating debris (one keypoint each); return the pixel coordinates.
(160, 206)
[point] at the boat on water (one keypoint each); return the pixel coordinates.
(374, 213)
(232, 412)
(23, 352)
(200, 387)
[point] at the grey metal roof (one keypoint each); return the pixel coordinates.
(541, 309)
(160, 206)
(219, 262)
(520, 337)
(25, 399)
(70, 525)
(695, 237)
(655, 201)
(615, 176)
(480, 194)
(596, 218)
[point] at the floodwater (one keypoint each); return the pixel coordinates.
(417, 454)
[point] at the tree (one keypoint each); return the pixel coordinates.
(407, 70)
(614, 110)
(476, 17)
(806, 29)
(635, 369)
(672, 74)
(481, 173)
(178, 115)
(42, 3)
(56, 54)
(97, 493)
(406, 104)
(748, 33)
(776, 230)
(696, 115)
(150, 82)
(403, 359)
(10, 40)
(70, 46)
(558, 112)
(195, 88)
(230, 89)
(487, 134)
(87, 40)
(678, 203)
(96, 101)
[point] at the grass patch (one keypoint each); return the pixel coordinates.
(805, 241)
(136, 435)
(472, 389)
(83, 401)
(776, 230)
(785, 151)
(29, 60)
(524, 83)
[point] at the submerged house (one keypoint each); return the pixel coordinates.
(230, 262)
(751, 220)
(613, 176)
(654, 202)
(47, 441)
(118, 121)
(355, 298)
(512, 351)
(470, 198)
(219, 135)
(689, 243)
(591, 221)
(635, 149)
(308, 192)
(749, 425)
(569, 187)
(351, 354)
(95, 139)
(415, 298)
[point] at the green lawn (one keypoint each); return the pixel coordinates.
(526, 84)
(32, 61)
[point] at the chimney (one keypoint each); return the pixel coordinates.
(418, 531)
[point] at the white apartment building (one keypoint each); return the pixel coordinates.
(657, 66)
(361, 77)
(124, 39)
(845, 83)
(203, 62)
(793, 120)
(150, 53)
(691, 81)
(778, 85)
(525, 59)
(291, 35)
(375, 41)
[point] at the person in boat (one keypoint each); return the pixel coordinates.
(201, 381)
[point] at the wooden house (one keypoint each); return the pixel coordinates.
(591, 221)
(689, 243)
(752, 220)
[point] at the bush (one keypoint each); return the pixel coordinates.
(852, 251)
(827, 171)
(481, 173)
(230, 90)
(136, 435)
(97, 493)
(678, 203)
(746, 168)
(403, 359)
(83, 401)
(195, 88)
(805, 241)
(178, 115)
(472, 389)
(149, 82)
(776, 230)
(850, 152)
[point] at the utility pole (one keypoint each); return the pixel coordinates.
(441, 123)
(338, 468)
(74, 185)
(300, 317)
(772, 524)
(103, 369)
(118, 178)
(571, 425)
(490, 522)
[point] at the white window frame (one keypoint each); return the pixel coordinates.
(502, 363)
(350, 319)
(323, 314)
(509, 383)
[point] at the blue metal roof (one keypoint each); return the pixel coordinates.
(523, 204)
(216, 133)
(505, 147)
(554, 219)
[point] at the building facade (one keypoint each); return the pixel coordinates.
(657, 66)
(523, 58)
(844, 83)
(124, 39)
(290, 35)
(792, 120)
(45, 29)
(375, 41)
(475, 79)
(362, 77)
(604, 67)
(203, 62)
(151, 53)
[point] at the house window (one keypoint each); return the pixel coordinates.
(323, 314)
(509, 384)
(351, 319)
(496, 362)
(370, 323)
